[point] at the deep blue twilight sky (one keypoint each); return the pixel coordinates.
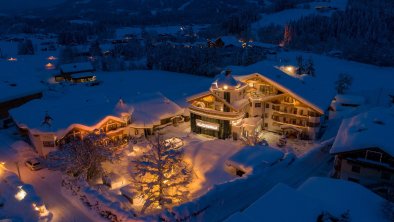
(11, 5)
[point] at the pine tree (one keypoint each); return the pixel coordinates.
(310, 69)
(343, 83)
(161, 176)
(300, 64)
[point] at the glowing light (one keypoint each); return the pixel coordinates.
(225, 87)
(41, 209)
(52, 58)
(290, 69)
(207, 125)
(21, 194)
(12, 59)
(49, 66)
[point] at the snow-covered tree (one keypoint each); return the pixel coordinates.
(161, 176)
(86, 155)
(343, 83)
(310, 68)
(300, 70)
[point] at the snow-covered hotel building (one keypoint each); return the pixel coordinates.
(240, 107)
(50, 123)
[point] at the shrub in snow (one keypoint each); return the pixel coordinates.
(161, 176)
(328, 217)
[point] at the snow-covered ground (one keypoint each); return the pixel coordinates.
(46, 183)
(285, 16)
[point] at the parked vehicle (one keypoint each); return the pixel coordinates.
(34, 164)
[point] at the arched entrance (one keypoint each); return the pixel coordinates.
(291, 132)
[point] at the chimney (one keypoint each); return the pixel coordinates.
(228, 72)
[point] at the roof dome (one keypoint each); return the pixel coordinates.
(226, 80)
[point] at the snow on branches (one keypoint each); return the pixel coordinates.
(87, 154)
(161, 176)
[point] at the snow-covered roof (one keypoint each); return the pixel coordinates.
(313, 197)
(77, 67)
(225, 78)
(149, 109)
(17, 80)
(250, 157)
(84, 109)
(82, 75)
(350, 99)
(307, 93)
(370, 129)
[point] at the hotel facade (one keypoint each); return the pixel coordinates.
(240, 107)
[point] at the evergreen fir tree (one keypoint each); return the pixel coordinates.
(300, 64)
(310, 69)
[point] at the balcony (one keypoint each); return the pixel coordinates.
(288, 123)
(215, 113)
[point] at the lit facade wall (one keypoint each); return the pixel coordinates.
(213, 127)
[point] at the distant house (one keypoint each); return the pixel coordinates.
(318, 199)
(76, 72)
(8, 103)
(364, 148)
(250, 158)
(16, 92)
(343, 104)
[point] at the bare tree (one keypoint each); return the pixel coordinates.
(161, 176)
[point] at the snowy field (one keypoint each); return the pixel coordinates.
(285, 16)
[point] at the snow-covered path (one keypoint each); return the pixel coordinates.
(48, 186)
(227, 201)
(46, 183)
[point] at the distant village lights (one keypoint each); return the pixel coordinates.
(52, 58)
(49, 66)
(12, 59)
